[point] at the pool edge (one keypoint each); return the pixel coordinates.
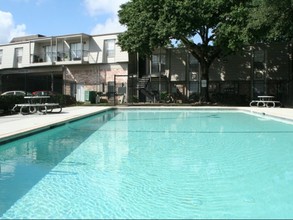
(278, 113)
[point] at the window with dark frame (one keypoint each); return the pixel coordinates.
(109, 48)
(1, 55)
(18, 54)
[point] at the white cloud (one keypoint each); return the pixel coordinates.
(8, 29)
(17, 31)
(111, 25)
(102, 8)
(99, 7)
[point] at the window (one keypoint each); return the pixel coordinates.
(110, 48)
(1, 54)
(75, 49)
(54, 52)
(259, 56)
(259, 64)
(18, 54)
(50, 53)
(193, 68)
(156, 58)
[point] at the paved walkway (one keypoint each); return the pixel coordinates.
(18, 125)
(284, 113)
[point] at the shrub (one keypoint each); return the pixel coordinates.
(103, 101)
(8, 102)
(133, 99)
(229, 99)
(194, 97)
(63, 100)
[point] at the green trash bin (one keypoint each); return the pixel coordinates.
(92, 97)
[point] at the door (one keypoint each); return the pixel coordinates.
(80, 97)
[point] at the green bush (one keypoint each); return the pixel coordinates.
(8, 102)
(229, 99)
(133, 99)
(103, 100)
(194, 97)
(63, 100)
(164, 96)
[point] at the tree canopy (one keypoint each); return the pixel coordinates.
(271, 20)
(222, 26)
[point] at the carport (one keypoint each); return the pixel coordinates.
(32, 79)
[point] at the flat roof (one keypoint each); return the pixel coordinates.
(27, 38)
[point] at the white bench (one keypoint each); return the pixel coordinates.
(265, 101)
(258, 103)
(32, 108)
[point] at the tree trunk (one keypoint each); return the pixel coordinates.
(205, 55)
(204, 91)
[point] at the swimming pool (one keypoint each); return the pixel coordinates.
(152, 164)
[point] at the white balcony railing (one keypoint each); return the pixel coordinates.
(51, 57)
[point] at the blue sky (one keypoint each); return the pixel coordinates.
(58, 17)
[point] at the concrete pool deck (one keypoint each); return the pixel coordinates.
(14, 126)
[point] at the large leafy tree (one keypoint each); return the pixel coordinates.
(271, 20)
(223, 26)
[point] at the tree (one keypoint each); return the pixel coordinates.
(271, 20)
(223, 26)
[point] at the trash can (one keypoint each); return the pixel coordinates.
(92, 97)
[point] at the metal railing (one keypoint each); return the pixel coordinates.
(60, 56)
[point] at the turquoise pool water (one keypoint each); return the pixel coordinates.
(152, 164)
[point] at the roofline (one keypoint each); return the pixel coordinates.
(115, 33)
(56, 36)
(71, 35)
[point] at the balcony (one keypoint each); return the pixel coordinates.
(74, 55)
(67, 49)
(53, 58)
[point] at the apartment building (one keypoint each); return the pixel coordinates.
(78, 63)
(256, 70)
(67, 64)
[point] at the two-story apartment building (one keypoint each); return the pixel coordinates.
(68, 64)
(75, 64)
(257, 70)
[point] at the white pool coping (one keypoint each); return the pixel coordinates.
(15, 126)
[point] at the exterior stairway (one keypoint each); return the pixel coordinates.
(142, 86)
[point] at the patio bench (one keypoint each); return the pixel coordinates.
(265, 101)
(32, 108)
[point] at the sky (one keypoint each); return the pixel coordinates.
(58, 17)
